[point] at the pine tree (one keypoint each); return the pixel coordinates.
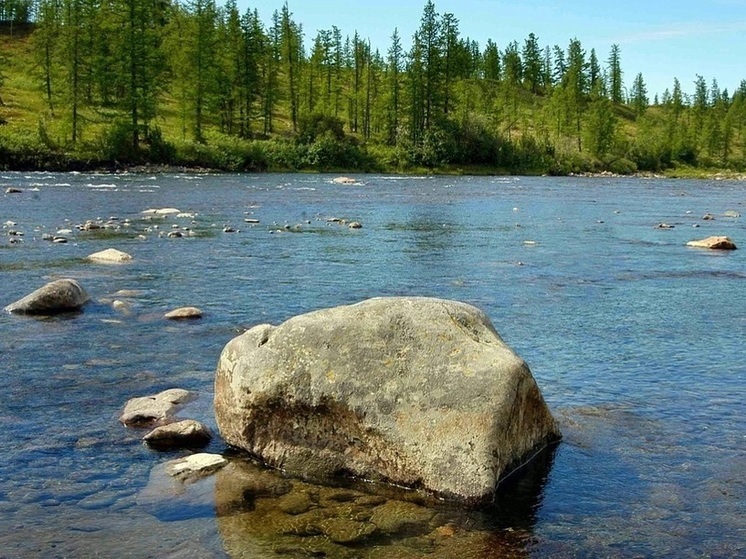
(601, 124)
(614, 66)
(291, 44)
(560, 66)
(429, 36)
(45, 41)
(139, 63)
(532, 64)
(254, 47)
(594, 70)
(450, 41)
(639, 95)
(395, 54)
(491, 62)
(71, 30)
(575, 84)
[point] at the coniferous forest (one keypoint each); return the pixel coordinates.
(89, 84)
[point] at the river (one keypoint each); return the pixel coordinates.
(635, 339)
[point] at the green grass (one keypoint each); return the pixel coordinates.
(35, 136)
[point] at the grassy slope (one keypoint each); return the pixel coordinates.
(26, 113)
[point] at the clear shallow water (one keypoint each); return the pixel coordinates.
(636, 341)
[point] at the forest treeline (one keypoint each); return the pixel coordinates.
(106, 82)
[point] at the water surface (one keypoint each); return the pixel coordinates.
(635, 340)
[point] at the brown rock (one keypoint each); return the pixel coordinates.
(717, 243)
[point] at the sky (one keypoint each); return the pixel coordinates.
(663, 39)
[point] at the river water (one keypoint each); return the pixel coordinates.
(636, 341)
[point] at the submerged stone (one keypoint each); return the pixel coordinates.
(183, 313)
(195, 465)
(415, 391)
(59, 296)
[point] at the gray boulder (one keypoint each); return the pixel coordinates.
(419, 392)
(62, 295)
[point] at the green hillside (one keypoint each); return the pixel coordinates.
(89, 84)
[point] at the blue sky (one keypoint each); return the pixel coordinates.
(661, 39)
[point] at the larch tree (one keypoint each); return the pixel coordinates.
(394, 68)
(639, 95)
(532, 64)
(614, 73)
(291, 44)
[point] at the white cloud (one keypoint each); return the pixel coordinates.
(681, 30)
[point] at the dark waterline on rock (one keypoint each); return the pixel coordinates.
(635, 340)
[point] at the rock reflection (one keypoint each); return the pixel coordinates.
(261, 514)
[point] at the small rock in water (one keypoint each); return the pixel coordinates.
(716, 243)
(181, 434)
(147, 410)
(183, 313)
(355, 225)
(110, 255)
(731, 213)
(197, 465)
(708, 217)
(90, 226)
(175, 235)
(664, 226)
(228, 230)
(344, 180)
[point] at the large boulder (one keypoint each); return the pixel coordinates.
(59, 296)
(419, 392)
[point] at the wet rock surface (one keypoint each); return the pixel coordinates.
(148, 410)
(187, 433)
